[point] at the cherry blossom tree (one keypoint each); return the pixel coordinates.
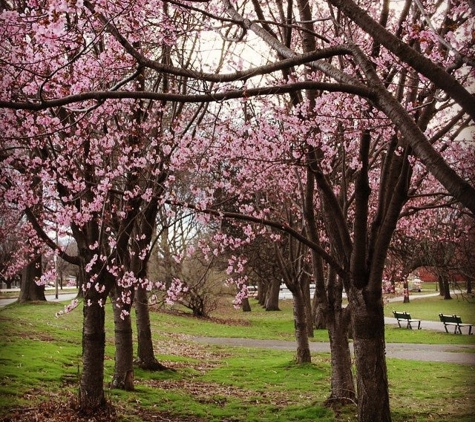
(369, 107)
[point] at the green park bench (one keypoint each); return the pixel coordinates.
(404, 316)
(456, 321)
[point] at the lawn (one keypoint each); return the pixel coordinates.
(429, 308)
(40, 365)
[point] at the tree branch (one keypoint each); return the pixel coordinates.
(48, 241)
(182, 98)
(404, 52)
(282, 227)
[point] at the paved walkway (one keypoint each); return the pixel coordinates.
(461, 354)
(49, 298)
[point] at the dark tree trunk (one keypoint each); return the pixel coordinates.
(318, 315)
(446, 284)
(145, 354)
(440, 282)
(261, 293)
(469, 286)
(338, 323)
(301, 330)
(272, 296)
(342, 383)
(246, 306)
(123, 377)
(30, 291)
(91, 390)
(371, 372)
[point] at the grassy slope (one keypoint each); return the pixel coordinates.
(40, 358)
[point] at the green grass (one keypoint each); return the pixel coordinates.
(40, 358)
(429, 308)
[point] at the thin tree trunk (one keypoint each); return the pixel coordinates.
(145, 353)
(261, 293)
(301, 331)
(406, 291)
(123, 377)
(305, 287)
(342, 383)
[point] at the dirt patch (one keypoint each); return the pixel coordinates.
(182, 346)
(64, 409)
(211, 393)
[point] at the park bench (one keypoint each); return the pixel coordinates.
(456, 321)
(404, 316)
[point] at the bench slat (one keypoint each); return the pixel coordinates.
(404, 316)
(456, 321)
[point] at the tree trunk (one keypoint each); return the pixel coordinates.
(371, 372)
(441, 286)
(469, 286)
(272, 296)
(301, 331)
(261, 293)
(123, 377)
(308, 305)
(342, 383)
(30, 291)
(246, 306)
(91, 390)
(406, 291)
(318, 315)
(145, 354)
(446, 284)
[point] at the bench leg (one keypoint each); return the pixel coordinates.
(446, 330)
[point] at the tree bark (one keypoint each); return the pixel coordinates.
(367, 318)
(261, 292)
(123, 377)
(444, 281)
(91, 390)
(342, 383)
(272, 296)
(246, 306)
(30, 291)
(145, 353)
(301, 330)
(406, 291)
